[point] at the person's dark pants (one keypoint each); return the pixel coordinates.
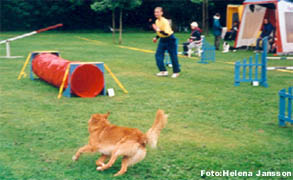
(185, 47)
(227, 36)
(257, 43)
(231, 35)
(217, 42)
(270, 42)
(167, 44)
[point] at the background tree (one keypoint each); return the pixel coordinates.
(78, 15)
(33, 14)
(128, 5)
(205, 14)
(103, 5)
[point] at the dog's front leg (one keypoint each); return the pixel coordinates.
(86, 148)
(101, 160)
(112, 160)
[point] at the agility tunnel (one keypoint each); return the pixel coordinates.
(83, 79)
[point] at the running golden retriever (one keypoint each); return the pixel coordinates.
(113, 141)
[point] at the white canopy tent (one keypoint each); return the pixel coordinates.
(279, 13)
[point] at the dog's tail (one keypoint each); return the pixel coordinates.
(154, 132)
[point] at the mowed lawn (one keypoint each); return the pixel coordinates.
(212, 124)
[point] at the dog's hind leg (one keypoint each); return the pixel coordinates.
(124, 166)
(86, 148)
(112, 160)
(139, 156)
(101, 160)
(131, 160)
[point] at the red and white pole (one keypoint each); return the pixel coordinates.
(7, 41)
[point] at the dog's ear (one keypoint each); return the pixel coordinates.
(107, 115)
(95, 117)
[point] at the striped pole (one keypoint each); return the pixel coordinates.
(7, 41)
(31, 33)
(275, 68)
(280, 58)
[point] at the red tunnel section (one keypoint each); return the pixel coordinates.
(87, 80)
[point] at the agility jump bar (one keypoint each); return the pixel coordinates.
(31, 33)
(280, 58)
(275, 68)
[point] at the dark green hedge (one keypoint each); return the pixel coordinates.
(77, 14)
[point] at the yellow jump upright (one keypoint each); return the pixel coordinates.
(115, 79)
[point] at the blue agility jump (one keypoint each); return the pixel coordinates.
(285, 106)
(252, 71)
(208, 52)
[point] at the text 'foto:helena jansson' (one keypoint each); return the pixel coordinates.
(236, 173)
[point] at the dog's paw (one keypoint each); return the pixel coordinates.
(74, 158)
(99, 168)
(101, 164)
(117, 174)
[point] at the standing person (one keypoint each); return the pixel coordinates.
(167, 42)
(266, 32)
(194, 36)
(217, 28)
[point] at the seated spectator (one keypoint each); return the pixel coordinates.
(231, 35)
(266, 32)
(194, 36)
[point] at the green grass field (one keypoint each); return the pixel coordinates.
(212, 124)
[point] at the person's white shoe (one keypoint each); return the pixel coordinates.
(162, 73)
(175, 75)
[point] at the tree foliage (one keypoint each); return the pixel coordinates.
(34, 14)
(104, 5)
(97, 14)
(197, 1)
